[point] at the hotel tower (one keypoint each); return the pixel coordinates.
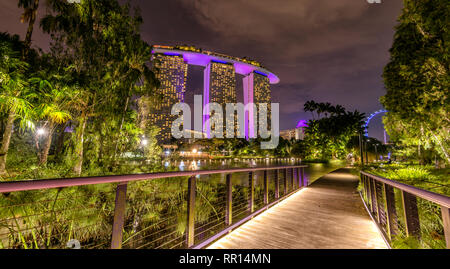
(171, 71)
(171, 64)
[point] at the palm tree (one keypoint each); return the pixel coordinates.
(310, 106)
(14, 94)
(110, 62)
(29, 15)
(53, 109)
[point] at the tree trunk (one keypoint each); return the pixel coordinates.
(447, 157)
(27, 41)
(79, 145)
(6, 140)
(419, 154)
(121, 126)
(44, 154)
(60, 142)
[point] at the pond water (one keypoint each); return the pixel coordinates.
(312, 172)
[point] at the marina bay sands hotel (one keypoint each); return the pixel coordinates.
(171, 66)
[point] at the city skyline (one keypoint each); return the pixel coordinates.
(329, 51)
(219, 87)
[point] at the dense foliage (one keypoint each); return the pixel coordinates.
(328, 136)
(424, 177)
(80, 102)
(417, 80)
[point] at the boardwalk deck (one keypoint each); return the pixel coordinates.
(329, 214)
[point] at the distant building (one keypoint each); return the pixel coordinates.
(171, 71)
(219, 87)
(298, 133)
(171, 64)
(257, 91)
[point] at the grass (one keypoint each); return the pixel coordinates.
(423, 177)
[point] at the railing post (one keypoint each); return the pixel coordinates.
(292, 180)
(391, 213)
(411, 214)
(229, 202)
(190, 211)
(295, 178)
(277, 185)
(266, 188)
(119, 216)
(369, 190)
(376, 208)
(366, 182)
(363, 184)
(304, 179)
(299, 179)
(285, 181)
(251, 198)
(446, 224)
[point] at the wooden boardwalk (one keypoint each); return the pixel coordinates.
(329, 214)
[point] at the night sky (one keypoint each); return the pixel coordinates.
(326, 50)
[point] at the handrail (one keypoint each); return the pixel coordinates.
(14, 186)
(295, 179)
(437, 198)
(381, 204)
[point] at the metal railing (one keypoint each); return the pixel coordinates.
(157, 210)
(396, 209)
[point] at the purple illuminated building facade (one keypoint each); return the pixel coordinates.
(219, 87)
(257, 91)
(171, 71)
(219, 82)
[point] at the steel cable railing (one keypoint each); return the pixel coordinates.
(188, 209)
(402, 211)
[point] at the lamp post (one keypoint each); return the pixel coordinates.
(361, 148)
(376, 153)
(365, 148)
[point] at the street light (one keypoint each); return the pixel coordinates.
(144, 142)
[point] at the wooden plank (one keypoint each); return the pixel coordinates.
(328, 214)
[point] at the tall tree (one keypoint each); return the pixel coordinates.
(111, 64)
(328, 136)
(417, 78)
(30, 8)
(15, 94)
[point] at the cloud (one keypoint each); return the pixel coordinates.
(271, 18)
(326, 50)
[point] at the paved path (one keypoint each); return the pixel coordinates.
(329, 214)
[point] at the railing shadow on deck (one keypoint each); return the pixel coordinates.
(158, 210)
(402, 211)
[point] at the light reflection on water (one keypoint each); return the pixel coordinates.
(312, 172)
